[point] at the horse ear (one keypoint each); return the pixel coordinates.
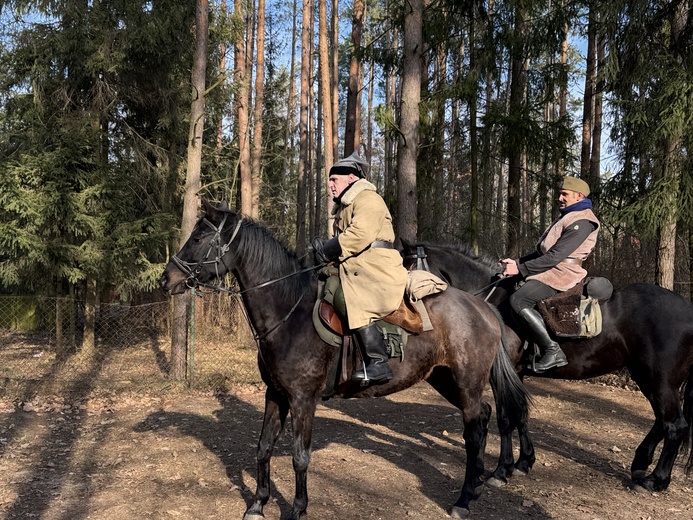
(212, 213)
(224, 205)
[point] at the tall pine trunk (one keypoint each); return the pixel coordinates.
(181, 303)
(243, 127)
(257, 113)
(303, 129)
(352, 131)
(515, 159)
(409, 122)
(326, 100)
(588, 98)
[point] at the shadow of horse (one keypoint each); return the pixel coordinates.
(414, 445)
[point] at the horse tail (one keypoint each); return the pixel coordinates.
(688, 416)
(510, 393)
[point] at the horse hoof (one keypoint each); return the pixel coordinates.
(641, 490)
(638, 474)
(519, 473)
(459, 512)
(253, 516)
(495, 482)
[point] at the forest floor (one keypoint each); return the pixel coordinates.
(193, 457)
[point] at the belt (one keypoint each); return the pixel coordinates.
(575, 261)
(384, 244)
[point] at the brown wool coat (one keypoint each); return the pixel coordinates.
(565, 276)
(373, 279)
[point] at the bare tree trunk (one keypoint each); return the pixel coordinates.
(257, 115)
(334, 80)
(369, 120)
(562, 95)
(588, 103)
(671, 164)
(243, 78)
(91, 303)
(595, 159)
(666, 252)
(352, 132)
(409, 122)
(303, 132)
(473, 144)
(326, 98)
(391, 105)
(222, 71)
(487, 163)
(179, 336)
(288, 162)
(517, 89)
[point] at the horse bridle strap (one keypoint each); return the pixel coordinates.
(221, 250)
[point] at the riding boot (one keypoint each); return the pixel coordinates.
(553, 355)
(374, 355)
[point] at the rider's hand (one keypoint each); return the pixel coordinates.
(326, 251)
(509, 267)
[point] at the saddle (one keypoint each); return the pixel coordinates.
(334, 332)
(576, 313)
(411, 317)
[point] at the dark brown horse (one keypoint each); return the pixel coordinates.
(457, 357)
(647, 330)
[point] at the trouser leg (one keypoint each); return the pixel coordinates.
(523, 302)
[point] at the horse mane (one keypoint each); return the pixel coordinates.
(466, 251)
(265, 258)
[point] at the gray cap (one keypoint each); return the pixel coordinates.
(353, 164)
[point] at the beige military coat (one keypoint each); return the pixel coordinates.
(373, 278)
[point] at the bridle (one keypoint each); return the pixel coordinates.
(192, 271)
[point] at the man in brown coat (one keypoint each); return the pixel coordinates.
(371, 273)
(555, 266)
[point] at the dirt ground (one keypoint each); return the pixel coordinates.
(193, 457)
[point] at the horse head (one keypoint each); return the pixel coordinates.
(202, 257)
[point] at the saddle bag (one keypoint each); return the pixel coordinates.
(576, 313)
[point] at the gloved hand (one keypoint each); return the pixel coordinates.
(326, 251)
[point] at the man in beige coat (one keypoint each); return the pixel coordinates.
(555, 266)
(371, 273)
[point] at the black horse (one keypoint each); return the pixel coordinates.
(457, 357)
(646, 329)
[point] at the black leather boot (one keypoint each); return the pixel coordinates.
(553, 355)
(374, 355)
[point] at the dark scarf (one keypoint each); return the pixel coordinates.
(338, 198)
(578, 206)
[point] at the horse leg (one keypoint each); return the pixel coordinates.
(527, 458)
(276, 410)
(476, 415)
(442, 381)
(506, 459)
(302, 417)
(670, 426)
(644, 453)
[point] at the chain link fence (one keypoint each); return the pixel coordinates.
(61, 344)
